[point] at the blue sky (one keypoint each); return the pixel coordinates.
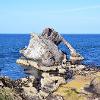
(66, 16)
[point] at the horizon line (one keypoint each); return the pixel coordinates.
(59, 33)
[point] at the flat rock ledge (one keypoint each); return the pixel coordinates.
(34, 64)
(25, 62)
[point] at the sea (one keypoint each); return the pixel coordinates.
(88, 45)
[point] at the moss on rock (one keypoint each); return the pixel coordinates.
(8, 94)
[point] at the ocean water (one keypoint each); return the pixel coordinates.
(10, 44)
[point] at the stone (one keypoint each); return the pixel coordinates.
(27, 86)
(74, 55)
(31, 97)
(76, 67)
(50, 83)
(1, 84)
(29, 91)
(95, 85)
(62, 70)
(35, 65)
(31, 78)
(27, 82)
(51, 34)
(77, 59)
(54, 97)
(42, 95)
(23, 62)
(6, 81)
(43, 54)
(43, 51)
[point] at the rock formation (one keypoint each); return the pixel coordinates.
(43, 54)
(43, 50)
(57, 39)
(50, 87)
(58, 79)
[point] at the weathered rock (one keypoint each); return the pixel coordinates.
(76, 67)
(50, 83)
(29, 91)
(43, 54)
(6, 81)
(36, 65)
(95, 85)
(54, 97)
(23, 62)
(23, 87)
(76, 58)
(51, 34)
(27, 82)
(43, 51)
(62, 70)
(43, 95)
(1, 84)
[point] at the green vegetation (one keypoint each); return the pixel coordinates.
(8, 94)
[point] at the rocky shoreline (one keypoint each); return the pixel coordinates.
(59, 78)
(83, 85)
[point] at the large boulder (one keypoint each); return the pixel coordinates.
(42, 50)
(95, 85)
(49, 83)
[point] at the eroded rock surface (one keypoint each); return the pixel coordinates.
(44, 54)
(95, 85)
(43, 50)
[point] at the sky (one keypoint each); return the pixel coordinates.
(65, 16)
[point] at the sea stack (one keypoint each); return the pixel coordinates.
(44, 54)
(43, 50)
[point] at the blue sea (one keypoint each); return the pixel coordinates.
(10, 44)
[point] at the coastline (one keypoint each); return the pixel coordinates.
(74, 89)
(59, 78)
